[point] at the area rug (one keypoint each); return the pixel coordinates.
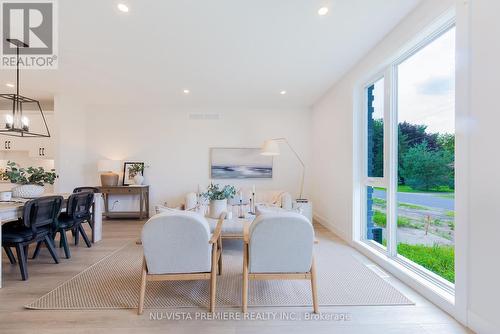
(113, 283)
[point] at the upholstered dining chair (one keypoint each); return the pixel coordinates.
(279, 246)
(179, 246)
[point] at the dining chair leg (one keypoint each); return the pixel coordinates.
(23, 265)
(10, 255)
(143, 288)
(314, 287)
(51, 248)
(61, 242)
(84, 236)
(64, 242)
(37, 250)
(76, 235)
(244, 295)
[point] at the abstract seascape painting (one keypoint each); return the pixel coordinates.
(240, 163)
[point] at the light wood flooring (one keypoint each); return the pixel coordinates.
(424, 317)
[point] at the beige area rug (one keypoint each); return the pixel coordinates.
(113, 283)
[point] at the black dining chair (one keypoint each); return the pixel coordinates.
(92, 190)
(85, 189)
(77, 212)
(38, 224)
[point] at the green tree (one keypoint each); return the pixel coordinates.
(424, 169)
(446, 141)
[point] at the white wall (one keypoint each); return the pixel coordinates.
(70, 143)
(177, 148)
(484, 166)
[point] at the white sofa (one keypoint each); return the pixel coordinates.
(278, 198)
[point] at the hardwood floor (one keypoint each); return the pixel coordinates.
(424, 317)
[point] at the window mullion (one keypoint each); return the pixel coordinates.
(391, 161)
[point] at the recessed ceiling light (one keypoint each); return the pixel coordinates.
(123, 7)
(283, 92)
(10, 85)
(323, 11)
(186, 91)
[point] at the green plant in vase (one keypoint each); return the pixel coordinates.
(218, 197)
(30, 180)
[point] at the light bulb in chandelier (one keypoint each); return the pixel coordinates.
(9, 121)
(25, 121)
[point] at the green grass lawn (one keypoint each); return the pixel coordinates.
(412, 206)
(444, 191)
(439, 259)
(383, 203)
(380, 219)
(450, 214)
(408, 189)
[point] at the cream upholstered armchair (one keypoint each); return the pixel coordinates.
(279, 246)
(179, 246)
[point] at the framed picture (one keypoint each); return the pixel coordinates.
(240, 163)
(131, 169)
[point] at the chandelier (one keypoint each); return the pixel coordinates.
(17, 124)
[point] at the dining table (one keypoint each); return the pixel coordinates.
(12, 210)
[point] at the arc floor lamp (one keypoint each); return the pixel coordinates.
(271, 147)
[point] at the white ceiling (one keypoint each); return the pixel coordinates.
(228, 53)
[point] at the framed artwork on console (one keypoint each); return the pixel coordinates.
(130, 170)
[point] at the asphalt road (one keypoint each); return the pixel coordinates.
(432, 200)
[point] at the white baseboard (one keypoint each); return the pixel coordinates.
(323, 221)
(479, 325)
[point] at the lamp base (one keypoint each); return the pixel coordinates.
(109, 179)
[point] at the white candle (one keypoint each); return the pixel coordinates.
(253, 189)
(241, 195)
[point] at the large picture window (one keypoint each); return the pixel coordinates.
(409, 207)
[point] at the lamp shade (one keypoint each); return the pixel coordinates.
(270, 147)
(108, 165)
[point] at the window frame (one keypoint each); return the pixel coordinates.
(389, 180)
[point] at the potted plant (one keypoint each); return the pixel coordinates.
(137, 171)
(218, 197)
(30, 180)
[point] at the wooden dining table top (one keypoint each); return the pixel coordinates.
(17, 204)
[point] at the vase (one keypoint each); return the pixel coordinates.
(27, 191)
(138, 179)
(217, 206)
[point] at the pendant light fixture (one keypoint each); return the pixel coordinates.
(17, 124)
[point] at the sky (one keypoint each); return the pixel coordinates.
(426, 92)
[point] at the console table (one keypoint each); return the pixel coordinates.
(141, 191)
